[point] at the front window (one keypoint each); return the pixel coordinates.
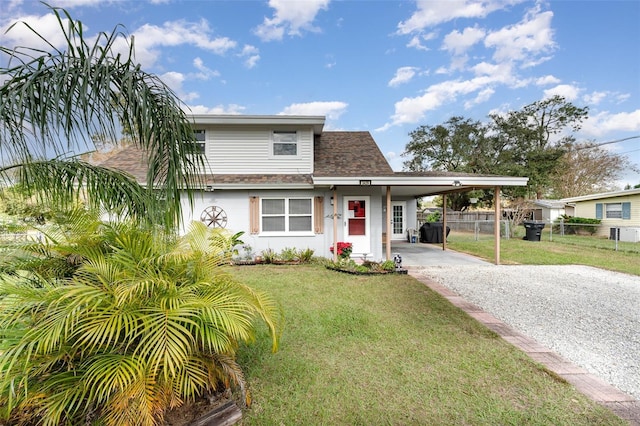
(613, 211)
(285, 143)
(286, 215)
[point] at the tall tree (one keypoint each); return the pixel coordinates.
(450, 146)
(528, 142)
(52, 101)
(538, 135)
(458, 145)
(586, 169)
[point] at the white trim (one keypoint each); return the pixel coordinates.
(316, 121)
(273, 142)
(402, 235)
(602, 195)
(465, 181)
(287, 217)
(361, 243)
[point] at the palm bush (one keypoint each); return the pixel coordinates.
(136, 322)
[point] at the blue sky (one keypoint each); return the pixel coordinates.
(382, 66)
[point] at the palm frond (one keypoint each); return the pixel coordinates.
(53, 102)
(63, 182)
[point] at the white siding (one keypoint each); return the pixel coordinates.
(237, 150)
(236, 206)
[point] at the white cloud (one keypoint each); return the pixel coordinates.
(412, 110)
(150, 38)
(547, 79)
(595, 98)
(432, 13)
(623, 97)
(205, 72)
(291, 18)
(569, 92)
(606, 122)
(459, 42)
(175, 80)
(416, 40)
(483, 96)
(458, 63)
(520, 45)
(525, 40)
(251, 55)
(403, 75)
(332, 110)
(69, 4)
(231, 109)
(46, 25)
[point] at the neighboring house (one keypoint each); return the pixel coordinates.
(286, 182)
(615, 209)
(548, 210)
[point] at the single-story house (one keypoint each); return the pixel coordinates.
(286, 182)
(618, 209)
(548, 210)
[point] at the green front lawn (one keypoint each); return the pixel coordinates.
(561, 250)
(386, 350)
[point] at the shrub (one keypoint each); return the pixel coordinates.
(388, 265)
(433, 217)
(289, 254)
(306, 255)
(137, 322)
(269, 256)
(578, 225)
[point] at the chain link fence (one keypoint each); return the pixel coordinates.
(601, 236)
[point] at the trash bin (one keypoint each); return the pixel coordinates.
(612, 234)
(432, 232)
(533, 230)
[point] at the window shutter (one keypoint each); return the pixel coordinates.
(254, 215)
(318, 215)
(626, 210)
(598, 210)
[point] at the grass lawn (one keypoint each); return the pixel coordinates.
(386, 350)
(565, 250)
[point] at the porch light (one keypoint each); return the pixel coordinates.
(457, 183)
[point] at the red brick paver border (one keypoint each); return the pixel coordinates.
(623, 405)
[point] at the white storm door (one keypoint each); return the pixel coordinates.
(357, 224)
(398, 220)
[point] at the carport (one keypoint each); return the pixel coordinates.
(415, 185)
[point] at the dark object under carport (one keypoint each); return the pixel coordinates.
(533, 230)
(431, 232)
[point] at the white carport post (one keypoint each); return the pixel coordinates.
(335, 224)
(387, 235)
(496, 227)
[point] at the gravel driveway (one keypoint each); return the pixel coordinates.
(588, 315)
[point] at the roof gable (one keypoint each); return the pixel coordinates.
(348, 154)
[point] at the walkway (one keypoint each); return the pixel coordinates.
(431, 254)
(416, 257)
